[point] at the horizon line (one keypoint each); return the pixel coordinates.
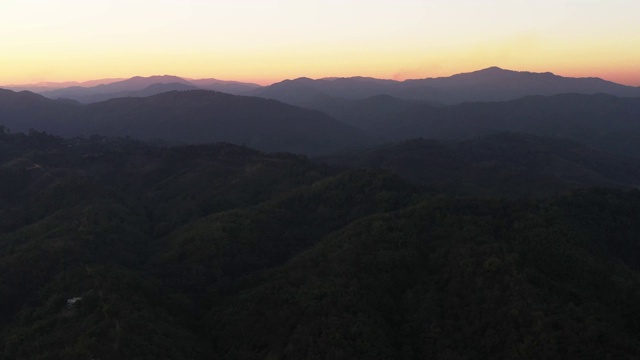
(263, 83)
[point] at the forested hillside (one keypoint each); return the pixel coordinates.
(498, 165)
(221, 251)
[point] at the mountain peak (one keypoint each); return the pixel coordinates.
(296, 81)
(493, 69)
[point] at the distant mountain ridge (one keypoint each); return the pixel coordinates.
(153, 89)
(52, 85)
(600, 121)
(365, 108)
(197, 116)
(490, 84)
(138, 86)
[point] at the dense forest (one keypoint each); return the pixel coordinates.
(222, 251)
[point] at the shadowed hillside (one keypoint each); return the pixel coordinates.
(184, 117)
(506, 164)
(220, 251)
(600, 121)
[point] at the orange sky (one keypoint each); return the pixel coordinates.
(267, 40)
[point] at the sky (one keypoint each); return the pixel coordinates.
(265, 41)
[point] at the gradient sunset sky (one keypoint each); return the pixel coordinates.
(267, 40)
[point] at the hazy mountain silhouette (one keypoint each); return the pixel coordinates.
(491, 84)
(50, 85)
(85, 94)
(139, 82)
(140, 86)
(505, 164)
(183, 117)
(496, 84)
(229, 87)
(305, 91)
(599, 121)
(205, 116)
(21, 111)
(368, 114)
(150, 90)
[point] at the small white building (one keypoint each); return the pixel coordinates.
(71, 303)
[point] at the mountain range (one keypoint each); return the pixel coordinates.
(144, 86)
(490, 84)
(600, 121)
(183, 117)
(151, 219)
(604, 122)
(50, 85)
(460, 106)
